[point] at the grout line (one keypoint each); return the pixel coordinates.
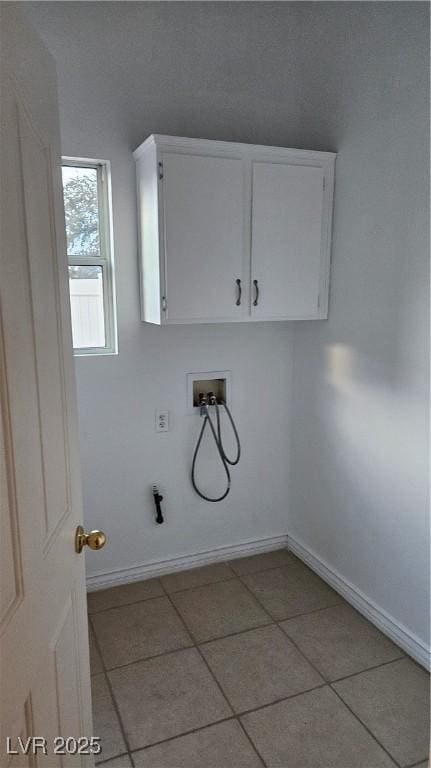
(187, 589)
(234, 717)
(250, 740)
(198, 643)
(328, 682)
(229, 703)
(290, 640)
(123, 605)
(183, 733)
(116, 757)
(281, 699)
(234, 634)
(150, 658)
(343, 601)
(164, 593)
(256, 599)
(267, 568)
(238, 716)
(373, 736)
(419, 666)
(287, 618)
(114, 701)
(314, 610)
(333, 689)
(194, 644)
(216, 681)
(177, 591)
(367, 669)
(198, 586)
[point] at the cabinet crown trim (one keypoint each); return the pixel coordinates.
(236, 148)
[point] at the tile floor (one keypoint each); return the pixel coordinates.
(251, 663)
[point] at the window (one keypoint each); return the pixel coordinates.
(87, 209)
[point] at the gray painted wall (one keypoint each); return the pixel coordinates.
(125, 71)
(347, 77)
(360, 426)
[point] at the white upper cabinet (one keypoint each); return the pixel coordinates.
(286, 224)
(203, 237)
(233, 232)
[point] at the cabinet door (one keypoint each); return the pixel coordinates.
(203, 202)
(287, 204)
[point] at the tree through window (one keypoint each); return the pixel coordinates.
(86, 209)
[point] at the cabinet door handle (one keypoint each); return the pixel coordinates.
(256, 293)
(238, 301)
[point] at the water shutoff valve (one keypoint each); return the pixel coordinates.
(157, 501)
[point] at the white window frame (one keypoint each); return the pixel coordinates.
(106, 257)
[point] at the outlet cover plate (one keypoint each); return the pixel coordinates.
(162, 421)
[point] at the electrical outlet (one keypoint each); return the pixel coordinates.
(162, 421)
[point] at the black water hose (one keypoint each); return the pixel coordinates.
(235, 461)
(219, 444)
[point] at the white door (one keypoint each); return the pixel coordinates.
(45, 682)
(203, 203)
(287, 206)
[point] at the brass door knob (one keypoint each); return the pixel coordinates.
(94, 539)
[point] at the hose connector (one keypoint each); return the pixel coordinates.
(203, 402)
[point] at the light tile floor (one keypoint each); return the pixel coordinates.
(251, 663)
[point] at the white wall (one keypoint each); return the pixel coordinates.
(360, 403)
(125, 72)
(346, 77)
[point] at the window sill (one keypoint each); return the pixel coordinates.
(94, 352)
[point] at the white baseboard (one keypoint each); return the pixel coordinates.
(409, 642)
(161, 567)
(402, 636)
